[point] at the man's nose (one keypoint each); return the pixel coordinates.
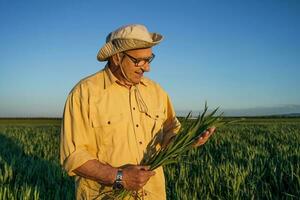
(146, 67)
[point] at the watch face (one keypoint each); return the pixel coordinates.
(118, 182)
(117, 186)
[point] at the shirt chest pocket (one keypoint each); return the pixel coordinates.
(109, 128)
(155, 120)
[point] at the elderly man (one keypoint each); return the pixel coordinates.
(112, 115)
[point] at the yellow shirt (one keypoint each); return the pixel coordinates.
(107, 121)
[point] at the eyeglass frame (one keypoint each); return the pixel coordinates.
(136, 61)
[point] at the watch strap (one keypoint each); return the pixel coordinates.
(118, 182)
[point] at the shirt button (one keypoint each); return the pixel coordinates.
(140, 142)
(137, 125)
(108, 122)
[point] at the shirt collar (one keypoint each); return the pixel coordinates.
(110, 78)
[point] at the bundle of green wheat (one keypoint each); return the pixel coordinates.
(179, 143)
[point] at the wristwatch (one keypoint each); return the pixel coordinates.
(118, 185)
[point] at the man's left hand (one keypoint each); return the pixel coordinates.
(204, 137)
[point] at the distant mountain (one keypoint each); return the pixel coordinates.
(291, 115)
(283, 110)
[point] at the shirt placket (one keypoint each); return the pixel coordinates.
(138, 131)
(136, 124)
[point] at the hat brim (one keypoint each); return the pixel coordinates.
(120, 45)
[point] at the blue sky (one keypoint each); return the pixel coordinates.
(234, 54)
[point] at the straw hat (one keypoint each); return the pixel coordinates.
(134, 36)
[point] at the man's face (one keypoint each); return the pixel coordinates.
(128, 59)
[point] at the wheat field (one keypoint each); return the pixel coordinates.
(258, 158)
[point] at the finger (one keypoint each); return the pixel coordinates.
(197, 143)
(143, 167)
(209, 132)
(152, 173)
(149, 173)
(212, 129)
(205, 134)
(142, 184)
(142, 179)
(147, 170)
(202, 140)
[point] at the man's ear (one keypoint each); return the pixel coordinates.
(116, 59)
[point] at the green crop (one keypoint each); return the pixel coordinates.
(257, 158)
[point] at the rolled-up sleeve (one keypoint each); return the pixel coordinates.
(76, 142)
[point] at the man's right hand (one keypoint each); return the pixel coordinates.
(135, 177)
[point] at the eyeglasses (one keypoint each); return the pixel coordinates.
(139, 62)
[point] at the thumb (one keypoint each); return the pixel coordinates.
(147, 168)
(143, 167)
